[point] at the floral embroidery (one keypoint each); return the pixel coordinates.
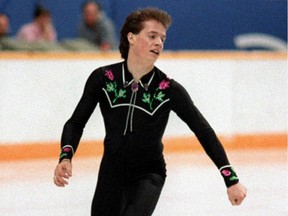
(109, 74)
(112, 86)
(233, 178)
(67, 150)
(63, 155)
(158, 94)
(164, 84)
(229, 173)
(226, 173)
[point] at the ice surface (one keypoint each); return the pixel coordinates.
(193, 186)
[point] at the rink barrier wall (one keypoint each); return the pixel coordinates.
(242, 55)
(26, 150)
(51, 150)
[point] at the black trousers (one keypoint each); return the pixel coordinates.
(114, 197)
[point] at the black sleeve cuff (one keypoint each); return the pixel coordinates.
(67, 152)
(229, 175)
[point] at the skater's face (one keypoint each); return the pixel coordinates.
(149, 42)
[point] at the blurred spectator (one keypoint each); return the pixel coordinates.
(40, 29)
(4, 25)
(96, 27)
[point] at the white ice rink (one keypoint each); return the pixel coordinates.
(193, 186)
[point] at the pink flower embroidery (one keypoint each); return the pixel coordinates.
(164, 84)
(66, 149)
(109, 74)
(226, 172)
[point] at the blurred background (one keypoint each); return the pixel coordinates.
(197, 24)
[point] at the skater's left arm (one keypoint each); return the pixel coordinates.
(184, 107)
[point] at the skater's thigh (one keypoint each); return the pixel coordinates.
(107, 198)
(142, 196)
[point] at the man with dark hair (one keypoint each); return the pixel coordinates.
(135, 99)
(40, 29)
(96, 27)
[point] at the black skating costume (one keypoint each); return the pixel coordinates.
(132, 171)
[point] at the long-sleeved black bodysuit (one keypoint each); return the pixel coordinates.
(132, 171)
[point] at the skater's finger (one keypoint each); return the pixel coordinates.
(60, 182)
(59, 179)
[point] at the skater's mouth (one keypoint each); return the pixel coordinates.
(155, 52)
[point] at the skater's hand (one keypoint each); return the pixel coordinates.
(236, 193)
(62, 173)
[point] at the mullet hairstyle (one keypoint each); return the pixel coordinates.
(134, 24)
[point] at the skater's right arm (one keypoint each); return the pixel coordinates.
(73, 129)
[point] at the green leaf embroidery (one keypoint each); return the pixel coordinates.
(160, 96)
(146, 98)
(122, 93)
(233, 178)
(112, 87)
